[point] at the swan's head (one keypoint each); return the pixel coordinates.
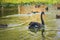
(42, 13)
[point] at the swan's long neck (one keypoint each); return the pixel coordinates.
(42, 21)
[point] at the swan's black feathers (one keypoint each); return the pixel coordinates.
(35, 24)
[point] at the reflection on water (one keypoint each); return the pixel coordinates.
(58, 34)
(58, 28)
(43, 37)
(53, 34)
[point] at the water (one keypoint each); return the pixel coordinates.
(58, 28)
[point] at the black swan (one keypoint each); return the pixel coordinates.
(38, 26)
